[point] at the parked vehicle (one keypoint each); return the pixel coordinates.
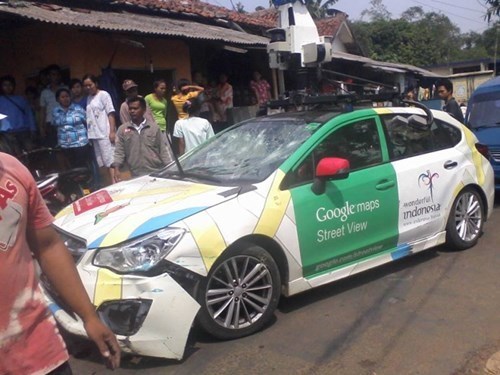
(483, 118)
(272, 206)
(58, 185)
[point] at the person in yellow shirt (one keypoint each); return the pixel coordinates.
(185, 91)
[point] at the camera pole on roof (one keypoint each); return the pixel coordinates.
(297, 46)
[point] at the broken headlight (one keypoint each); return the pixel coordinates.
(140, 254)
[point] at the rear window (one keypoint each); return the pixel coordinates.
(484, 110)
(405, 141)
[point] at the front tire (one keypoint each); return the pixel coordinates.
(240, 293)
(465, 223)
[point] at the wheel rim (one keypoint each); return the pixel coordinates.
(468, 217)
(239, 292)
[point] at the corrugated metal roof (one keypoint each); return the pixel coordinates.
(135, 23)
(388, 66)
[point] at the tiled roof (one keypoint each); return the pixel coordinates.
(329, 26)
(130, 22)
(201, 9)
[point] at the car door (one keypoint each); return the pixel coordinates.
(428, 169)
(356, 217)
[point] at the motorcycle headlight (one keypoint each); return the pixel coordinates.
(141, 254)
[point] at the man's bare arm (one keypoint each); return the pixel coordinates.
(57, 264)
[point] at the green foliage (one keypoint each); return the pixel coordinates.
(420, 38)
(317, 8)
(377, 11)
(493, 9)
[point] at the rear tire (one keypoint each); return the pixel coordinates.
(465, 223)
(240, 293)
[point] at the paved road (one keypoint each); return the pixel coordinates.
(434, 313)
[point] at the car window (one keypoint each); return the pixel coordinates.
(405, 141)
(357, 142)
(246, 153)
(484, 110)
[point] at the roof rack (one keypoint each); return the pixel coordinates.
(301, 99)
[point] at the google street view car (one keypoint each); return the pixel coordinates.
(272, 206)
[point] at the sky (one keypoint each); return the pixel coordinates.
(466, 14)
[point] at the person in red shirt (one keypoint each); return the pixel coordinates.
(29, 340)
(262, 92)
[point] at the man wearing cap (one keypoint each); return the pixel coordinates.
(131, 90)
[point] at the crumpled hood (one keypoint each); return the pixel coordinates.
(132, 208)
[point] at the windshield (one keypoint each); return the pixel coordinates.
(485, 110)
(248, 152)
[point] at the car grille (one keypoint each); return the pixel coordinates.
(75, 245)
(495, 155)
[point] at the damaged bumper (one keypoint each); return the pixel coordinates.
(150, 315)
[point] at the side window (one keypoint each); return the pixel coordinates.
(405, 141)
(357, 142)
(445, 135)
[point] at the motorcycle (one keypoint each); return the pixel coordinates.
(58, 185)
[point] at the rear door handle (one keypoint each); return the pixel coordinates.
(450, 164)
(385, 184)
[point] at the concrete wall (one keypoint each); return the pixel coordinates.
(29, 49)
(465, 84)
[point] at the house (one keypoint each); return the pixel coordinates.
(138, 39)
(466, 75)
(150, 39)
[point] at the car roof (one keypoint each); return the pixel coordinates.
(318, 115)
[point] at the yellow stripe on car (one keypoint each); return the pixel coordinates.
(383, 111)
(207, 236)
(477, 158)
(275, 207)
(108, 286)
(123, 231)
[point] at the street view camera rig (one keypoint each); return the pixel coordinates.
(296, 42)
(297, 46)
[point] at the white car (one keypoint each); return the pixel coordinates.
(273, 206)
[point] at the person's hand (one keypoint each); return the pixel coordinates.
(105, 340)
(116, 175)
(112, 136)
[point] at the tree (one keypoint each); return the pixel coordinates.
(318, 9)
(377, 11)
(429, 40)
(413, 14)
(240, 8)
(493, 8)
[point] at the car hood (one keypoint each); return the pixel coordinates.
(488, 136)
(133, 208)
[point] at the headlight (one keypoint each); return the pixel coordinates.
(141, 254)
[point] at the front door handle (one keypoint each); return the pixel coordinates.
(450, 164)
(385, 184)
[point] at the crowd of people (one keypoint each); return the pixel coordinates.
(81, 120)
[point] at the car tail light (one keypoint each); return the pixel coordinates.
(46, 190)
(484, 150)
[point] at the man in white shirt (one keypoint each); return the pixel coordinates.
(194, 130)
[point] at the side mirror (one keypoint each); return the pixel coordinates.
(327, 169)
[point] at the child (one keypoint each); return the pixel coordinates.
(193, 130)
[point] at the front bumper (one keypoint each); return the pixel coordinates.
(163, 331)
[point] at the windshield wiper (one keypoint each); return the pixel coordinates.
(200, 176)
(176, 159)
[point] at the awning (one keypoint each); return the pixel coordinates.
(131, 22)
(386, 66)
